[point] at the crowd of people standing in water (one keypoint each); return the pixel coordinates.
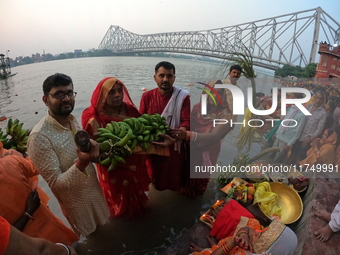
(89, 195)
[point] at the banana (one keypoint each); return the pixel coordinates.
(25, 139)
(105, 162)
(130, 132)
(136, 124)
(122, 129)
(118, 139)
(108, 136)
(13, 127)
(143, 121)
(113, 164)
(146, 132)
(144, 146)
(133, 144)
(103, 131)
(129, 122)
(115, 126)
(127, 150)
(22, 134)
(120, 159)
(142, 128)
(109, 127)
(21, 148)
(105, 146)
(9, 125)
(147, 116)
(123, 141)
(148, 127)
(101, 139)
(158, 115)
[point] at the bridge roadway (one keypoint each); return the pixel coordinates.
(287, 39)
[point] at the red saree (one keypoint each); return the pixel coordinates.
(123, 187)
(208, 153)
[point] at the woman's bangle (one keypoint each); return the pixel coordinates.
(28, 215)
(193, 136)
(225, 248)
(66, 247)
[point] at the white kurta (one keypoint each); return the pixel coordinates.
(52, 149)
(335, 218)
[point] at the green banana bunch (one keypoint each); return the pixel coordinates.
(3, 137)
(118, 139)
(19, 136)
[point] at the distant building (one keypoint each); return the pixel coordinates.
(78, 51)
(328, 69)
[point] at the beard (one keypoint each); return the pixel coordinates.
(166, 86)
(62, 110)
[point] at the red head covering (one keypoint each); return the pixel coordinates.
(98, 99)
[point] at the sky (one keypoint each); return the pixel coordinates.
(56, 26)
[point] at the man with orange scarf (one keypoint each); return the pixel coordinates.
(14, 242)
(23, 204)
(173, 103)
(124, 186)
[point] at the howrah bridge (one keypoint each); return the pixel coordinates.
(286, 39)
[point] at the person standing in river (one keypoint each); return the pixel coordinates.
(173, 103)
(68, 171)
(123, 187)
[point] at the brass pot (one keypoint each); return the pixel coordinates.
(289, 201)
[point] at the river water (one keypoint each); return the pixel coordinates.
(169, 214)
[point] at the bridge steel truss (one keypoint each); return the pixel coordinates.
(287, 39)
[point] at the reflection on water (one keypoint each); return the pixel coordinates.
(6, 87)
(169, 214)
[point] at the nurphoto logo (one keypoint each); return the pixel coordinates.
(238, 104)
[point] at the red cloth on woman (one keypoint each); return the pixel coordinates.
(167, 172)
(124, 186)
(4, 235)
(228, 219)
(204, 154)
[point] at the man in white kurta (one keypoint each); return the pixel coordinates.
(70, 175)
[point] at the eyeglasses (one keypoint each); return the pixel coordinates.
(61, 95)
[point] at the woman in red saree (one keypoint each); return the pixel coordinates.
(124, 186)
(239, 233)
(206, 139)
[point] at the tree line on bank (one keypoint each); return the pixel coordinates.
(97, 53)
(305, 72)
(300, 72)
